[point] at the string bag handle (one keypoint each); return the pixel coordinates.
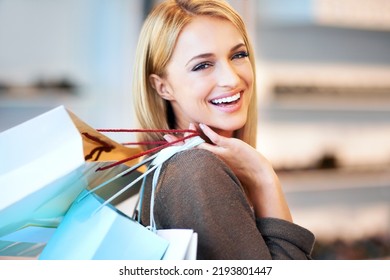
(159, 155)
(161, 144)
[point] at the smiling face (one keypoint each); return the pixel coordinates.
(209, 77)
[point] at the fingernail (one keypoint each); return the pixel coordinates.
(167, 137)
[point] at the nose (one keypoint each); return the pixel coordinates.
(227, 75)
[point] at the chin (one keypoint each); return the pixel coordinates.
(228, 128)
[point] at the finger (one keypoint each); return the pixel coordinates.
(188, 134)
(170, 138)
(213, 136)
(190, 127)
(209, 147)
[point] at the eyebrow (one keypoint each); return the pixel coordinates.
(206, 55)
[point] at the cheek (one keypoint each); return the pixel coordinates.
(194, 89)
(247, 74)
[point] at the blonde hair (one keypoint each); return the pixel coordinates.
(156, 44)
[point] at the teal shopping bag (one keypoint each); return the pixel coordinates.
(93, 231)
(45, 163)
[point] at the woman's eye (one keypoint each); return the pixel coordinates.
(202, 66)
(239, 55)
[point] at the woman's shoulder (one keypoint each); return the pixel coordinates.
(196, 166)
(195, 159)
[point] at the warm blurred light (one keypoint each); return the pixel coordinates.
(372, 14)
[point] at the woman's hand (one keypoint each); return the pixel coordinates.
(171, 138)
(254, 171)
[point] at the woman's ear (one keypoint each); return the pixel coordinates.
(161, 86)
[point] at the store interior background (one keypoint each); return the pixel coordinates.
(324, 96)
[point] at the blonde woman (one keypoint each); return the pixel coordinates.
(195, 67)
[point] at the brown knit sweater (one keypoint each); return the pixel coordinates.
(197, 190)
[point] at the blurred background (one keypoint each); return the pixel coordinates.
(324, 96)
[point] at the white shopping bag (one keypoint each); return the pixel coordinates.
(183, 243)
(42, 168)
(39, 158)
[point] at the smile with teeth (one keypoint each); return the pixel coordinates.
(226, 100)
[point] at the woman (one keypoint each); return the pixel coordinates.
(195, 68)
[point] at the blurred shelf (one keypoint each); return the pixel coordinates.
(337, 179)
(346, 205)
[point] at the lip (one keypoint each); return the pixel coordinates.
(229, 108)
(230, 94)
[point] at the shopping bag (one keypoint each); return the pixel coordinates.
(42, 167)
(88, 233)
(94, 229)
(28, 242)
(183, 243)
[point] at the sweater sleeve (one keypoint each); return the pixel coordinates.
(286, 240)
(197, 190)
